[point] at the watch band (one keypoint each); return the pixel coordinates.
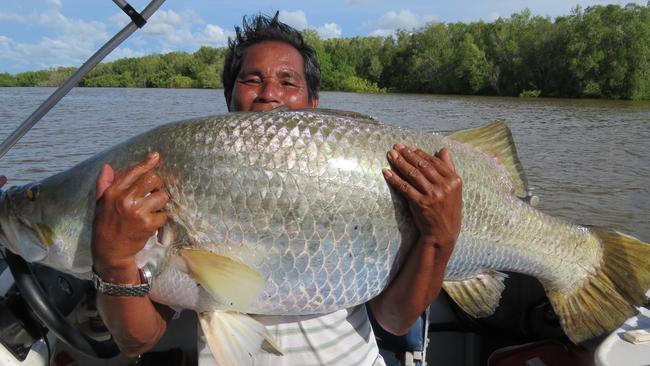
(114, 289)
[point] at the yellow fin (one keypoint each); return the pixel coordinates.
(606, 299)
(478, 296)
(234, 338)
(231, 283)
(496, 141)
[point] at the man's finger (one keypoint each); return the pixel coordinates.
(407, 171)
(126, 178)
(427, 164)
(445, 156)
(158, 219)
(147, 183)
(105, 179)
(441, 167)
(394, 180)
(155, 201)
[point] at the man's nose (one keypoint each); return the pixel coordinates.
(271, 92)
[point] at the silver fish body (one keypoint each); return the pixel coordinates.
(299, 197)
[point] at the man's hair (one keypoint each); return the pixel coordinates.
(263, 28)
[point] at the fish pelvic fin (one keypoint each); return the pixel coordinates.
(234, 338)
(495, 140)
(478, 296)
(232, 284)
(607, 298)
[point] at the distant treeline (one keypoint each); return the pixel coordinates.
(598, 52)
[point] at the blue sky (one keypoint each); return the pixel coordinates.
(38, 34)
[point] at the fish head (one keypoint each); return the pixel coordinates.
(22, 230)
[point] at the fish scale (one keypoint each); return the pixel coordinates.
(299, 198)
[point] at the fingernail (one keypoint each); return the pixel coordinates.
(399, 146)
(411, 149)
(153, 155)
(392, 155)
(387, 173)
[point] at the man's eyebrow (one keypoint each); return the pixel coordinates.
(289, 73)
(256, 72)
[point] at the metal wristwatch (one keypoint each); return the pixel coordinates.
(115, 289)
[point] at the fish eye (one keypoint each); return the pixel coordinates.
(32, 193)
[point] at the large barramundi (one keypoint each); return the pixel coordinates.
(287, 212)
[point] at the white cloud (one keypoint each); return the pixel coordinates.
(68, 42)
(11, 17)
(213, 35)
(120, 19)
(177, 29)
(122, 52)
(73, 30)
(55, 2)
(49, 52)
(173, 26)
(296, 19)
(405, 19)
(329, 30)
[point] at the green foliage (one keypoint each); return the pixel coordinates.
(530, 93)
(598, 52)
(180, 81)
(7, 80)
(32, 78)
(109, 81)
(58, 76)
(358, 85)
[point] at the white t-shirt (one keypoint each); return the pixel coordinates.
(341, 338)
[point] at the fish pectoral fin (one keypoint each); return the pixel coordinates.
(495, 140)
(234, 338)
(478, 296)
(231, 283)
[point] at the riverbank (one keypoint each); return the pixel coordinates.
(597, 52)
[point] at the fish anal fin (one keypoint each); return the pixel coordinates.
(232, 284)
(234, 338)
(496, 141)
(478, 296)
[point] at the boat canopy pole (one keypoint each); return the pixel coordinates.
(138, 20)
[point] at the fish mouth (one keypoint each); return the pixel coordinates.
(20, 236)
(26, 240)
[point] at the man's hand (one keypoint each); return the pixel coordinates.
(434, 194)
(433, 190)
(128, 213)
(3, 181)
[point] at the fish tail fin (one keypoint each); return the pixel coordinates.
(234, 338)
(609, 296)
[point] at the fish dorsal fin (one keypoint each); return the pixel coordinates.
(232, 284)
(478, 296)
(496, 141)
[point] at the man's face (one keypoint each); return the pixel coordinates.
(272, 75)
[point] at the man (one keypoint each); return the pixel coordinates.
(270, 66)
